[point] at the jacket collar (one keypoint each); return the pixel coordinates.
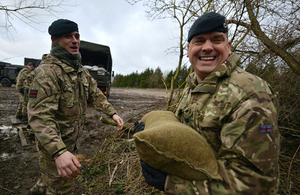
(64, 66)
(208, 85)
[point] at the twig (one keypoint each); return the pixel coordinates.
(7, 189)
(295, 135)
(290, 167)
(104, 120)
(286, 128)
(23, 162)
(112, 175)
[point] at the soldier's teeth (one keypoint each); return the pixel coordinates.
(207, 58)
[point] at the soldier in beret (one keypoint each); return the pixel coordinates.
(234, 110)
(57, 104)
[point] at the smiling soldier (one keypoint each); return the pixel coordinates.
(235, 111)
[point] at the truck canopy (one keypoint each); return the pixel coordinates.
(33, 60)
(93, 54)
(10, 66)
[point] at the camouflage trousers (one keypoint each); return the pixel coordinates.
(50, 182)
(22, 105)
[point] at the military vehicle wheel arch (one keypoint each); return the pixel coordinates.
(5, 82)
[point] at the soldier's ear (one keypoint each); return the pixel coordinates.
(54, 39)
(188, 47)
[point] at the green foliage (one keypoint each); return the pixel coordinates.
(180, 80)
(150, 79)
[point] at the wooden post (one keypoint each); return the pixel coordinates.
(22, 137)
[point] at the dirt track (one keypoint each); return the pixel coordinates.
(19, 169)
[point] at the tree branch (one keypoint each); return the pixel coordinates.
(279, 50)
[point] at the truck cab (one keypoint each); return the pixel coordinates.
(9, 73)
(97, 59)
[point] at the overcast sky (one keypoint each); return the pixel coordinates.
(136, 43)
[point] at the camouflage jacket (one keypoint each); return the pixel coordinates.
(31, 76)
(58, 99)
(20, 83)
(29, 80)
(237, 114)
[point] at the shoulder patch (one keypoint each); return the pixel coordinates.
(33, 93)
(266, 128)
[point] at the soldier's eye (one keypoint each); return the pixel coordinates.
(68, 36)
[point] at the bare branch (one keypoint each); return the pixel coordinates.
(256, 28)
(30, 12)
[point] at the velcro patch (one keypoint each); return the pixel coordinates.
(33, 93)
(266, 129)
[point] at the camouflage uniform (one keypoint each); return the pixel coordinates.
(20, 83)
(30, 77)
(237, 113)
(57, 107)
(28, 82)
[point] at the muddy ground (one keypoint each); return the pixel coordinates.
(19, 169)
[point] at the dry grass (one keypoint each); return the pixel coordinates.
(289, 162)
(115, 168)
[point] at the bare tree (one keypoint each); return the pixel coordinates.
(263, 33)
(28, 11)
(183, 13)
(268, 30)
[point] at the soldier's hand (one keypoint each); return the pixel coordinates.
(67, 165)
(138, 126)
(153, 176)
(21, 90)
(119, 121)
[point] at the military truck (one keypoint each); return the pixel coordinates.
(97, 59)
(9, 73)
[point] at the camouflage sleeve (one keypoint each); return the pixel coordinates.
(248, 158)
(29, 79)
(43, 102)
(21, 78)
(97, 98)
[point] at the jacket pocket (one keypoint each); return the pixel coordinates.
(67, 96)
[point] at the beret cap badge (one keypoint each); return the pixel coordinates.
(225, 24)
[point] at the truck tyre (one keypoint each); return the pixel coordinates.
(5, 82)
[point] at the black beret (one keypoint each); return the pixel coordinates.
(62, 26)
(209, 22)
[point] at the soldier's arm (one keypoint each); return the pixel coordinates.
(97, 98)
(19, 82)
(28, 80)
(248, 156)
(22, 79)
(43, 103)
